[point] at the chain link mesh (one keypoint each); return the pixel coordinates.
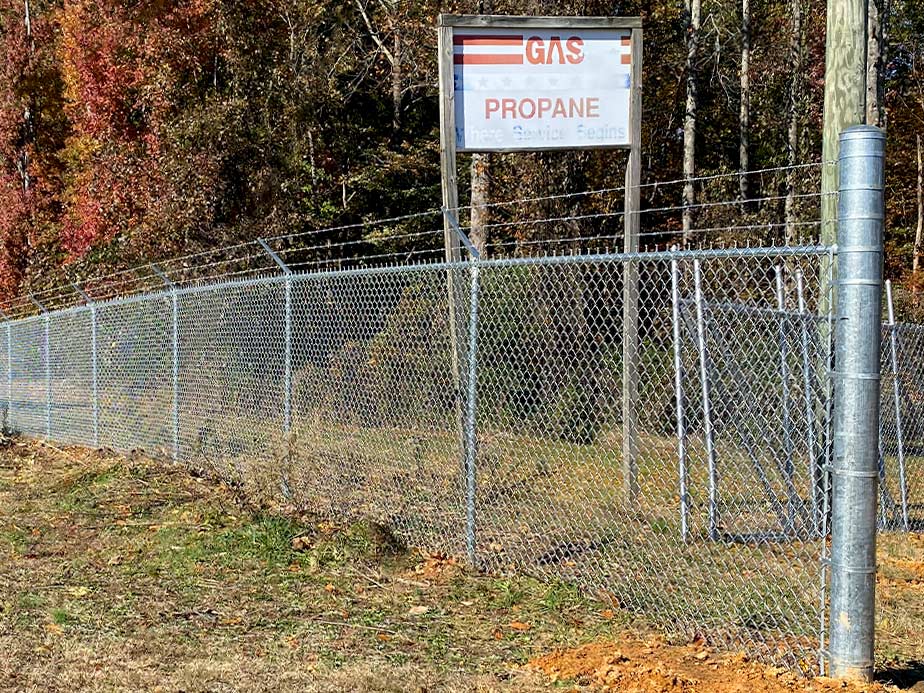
(478, 409)
(901, 463)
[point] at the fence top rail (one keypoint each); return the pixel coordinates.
(563, 259)
(903, 327)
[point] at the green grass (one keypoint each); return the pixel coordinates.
(173, 571)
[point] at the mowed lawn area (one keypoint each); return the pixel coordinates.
(125, 574)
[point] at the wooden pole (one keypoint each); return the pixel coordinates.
(450, 183)
(845, 95)
(453, 249)
(630, 281)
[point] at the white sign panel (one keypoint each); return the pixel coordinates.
(521, 89)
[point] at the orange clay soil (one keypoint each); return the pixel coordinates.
(634, 666)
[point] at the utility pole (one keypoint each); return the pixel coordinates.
(845, 96)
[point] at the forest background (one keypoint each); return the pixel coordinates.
(136, 130)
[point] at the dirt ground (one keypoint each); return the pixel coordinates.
(122, 574)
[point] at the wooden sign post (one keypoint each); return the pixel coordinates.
(514, 84)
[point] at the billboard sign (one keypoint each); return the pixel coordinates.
(540, 88)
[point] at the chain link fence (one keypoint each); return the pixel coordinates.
(901, 447)
(476, 409)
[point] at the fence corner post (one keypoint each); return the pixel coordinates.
(854, 470)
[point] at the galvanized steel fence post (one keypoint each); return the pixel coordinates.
(175, 300)
(809, 399)
(471, 404)
(287, 383)
(897, 400)
(856, 407)
(679, 399)
(470, 412)
(47, 357)
(94, 364)
(8, 424)
(705, 383)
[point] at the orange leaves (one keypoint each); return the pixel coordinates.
(124, 67)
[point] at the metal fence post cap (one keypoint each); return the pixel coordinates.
(861, 131)
(860, 136)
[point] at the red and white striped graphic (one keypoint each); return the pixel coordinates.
(514, 49)
(488, 49)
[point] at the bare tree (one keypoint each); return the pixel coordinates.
(28, 124)
(919, 233)
(796, 52)
(693, 13)
(876, 47)
(392, 55)
(744, 121)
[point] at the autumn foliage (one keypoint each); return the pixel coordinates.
(134, 130)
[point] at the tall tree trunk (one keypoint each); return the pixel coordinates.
(795, 110)
(28, 22)
(396, 83)
(481, 196)
(28, 126)
(919, 233)
(693, 12)
(745, 115)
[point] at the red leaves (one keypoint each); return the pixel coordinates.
(123, 64)
(124, 67)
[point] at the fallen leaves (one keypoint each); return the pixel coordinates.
(437, 567)
(54, 629)
(302, 543)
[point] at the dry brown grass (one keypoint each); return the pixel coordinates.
(121, 574)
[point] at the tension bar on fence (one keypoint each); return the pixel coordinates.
(679, 400)
(809, 399)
